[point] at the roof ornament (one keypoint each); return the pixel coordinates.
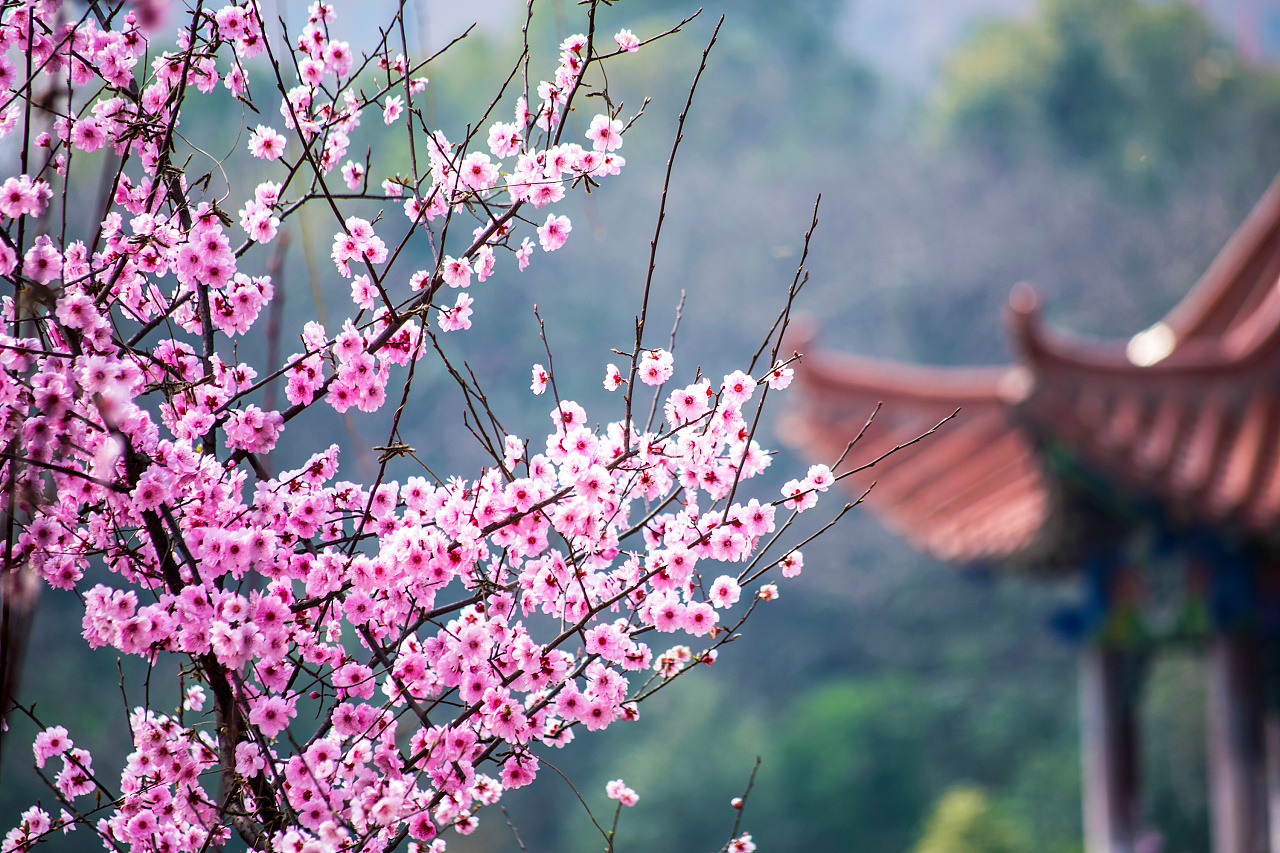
(1152, 345)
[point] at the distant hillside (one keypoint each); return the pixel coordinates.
(906, 38)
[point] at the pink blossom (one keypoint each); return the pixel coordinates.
(259, 221)
(266, 143)
(254, 430)
(459, 316)
(268, 193)
(627, 41)
(618, 790)
(519, 770)
(543, 190)
(819, 478)
(689, 403)
(540, 377)
(358, 243)
(353, 174)
(553, 233)
(799, 496)
(656, 367)
(87, 135)
(50, 742)
(42, 262)
(249, 759)
(392, 109)
(484, 262)
(73, 780)
(354, 679)
(195, 698)
(724, 591)
(504, 139)
(456, 271)
(477, 171)
(779, 377)
(605, 133)
(363, 293)
(338, 58)
(311, 71)
(233, 22)
(21, 196)
(666, 612)
(349, 343)
(699, 618)
(271, 714)
(737, 388)
(613, 378)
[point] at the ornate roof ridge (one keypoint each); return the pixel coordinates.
(1185, 414)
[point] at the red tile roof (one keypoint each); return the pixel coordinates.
(1186, 413)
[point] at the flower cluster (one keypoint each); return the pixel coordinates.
(442, 632)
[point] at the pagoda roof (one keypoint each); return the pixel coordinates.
(1185, 415)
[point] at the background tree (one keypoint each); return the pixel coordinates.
(1141, 93)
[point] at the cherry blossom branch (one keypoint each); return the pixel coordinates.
(657, 228)
(740, 803)
(256, 583)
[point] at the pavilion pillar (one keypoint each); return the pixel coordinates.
(1237, 750)
(1109, 749)
(1271, 733)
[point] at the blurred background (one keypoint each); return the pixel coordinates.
(1102, 149)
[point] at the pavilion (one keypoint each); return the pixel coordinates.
(1140, 466)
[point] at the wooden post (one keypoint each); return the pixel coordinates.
(1237, 763)
(1108, 751)
(1271, 736)
(1271, 730)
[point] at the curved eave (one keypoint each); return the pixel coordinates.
(1197, 432)
(1228, 289)
(1187, 414)
(1229, 321)
(971, 491)
(1252, 345)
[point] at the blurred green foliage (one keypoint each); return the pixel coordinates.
(858, 755)
(1138, 92)
(965, 821)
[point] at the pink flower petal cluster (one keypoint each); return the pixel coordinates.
(627, 41)
(363, 663)
(618, 790)
(267, 143)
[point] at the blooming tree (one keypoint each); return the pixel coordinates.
(364, 664)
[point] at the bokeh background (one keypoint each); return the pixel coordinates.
(1102, 149)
